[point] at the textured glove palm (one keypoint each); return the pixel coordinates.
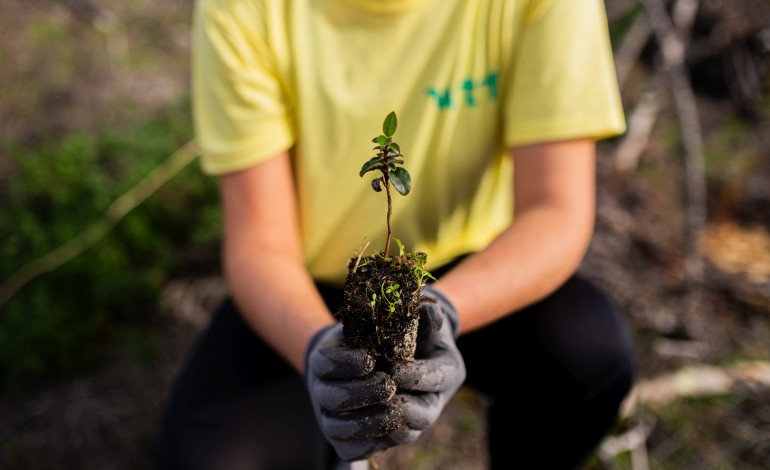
(352, 404)
(426, 384)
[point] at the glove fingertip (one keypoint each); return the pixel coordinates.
(311, 346)
(407, 374)
(341, 363)
(437, 297)
(431, 317)
(404, 435)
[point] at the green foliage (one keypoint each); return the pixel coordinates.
(391, 295)
(419, 271)
(72, 318)
(387, 160)
(401, 250)
(420, 260)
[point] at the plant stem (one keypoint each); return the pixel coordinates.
(360, 255)
(390, 210)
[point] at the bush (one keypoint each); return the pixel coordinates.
(73, 317)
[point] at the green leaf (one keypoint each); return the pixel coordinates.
(401, 180)
(389, 126)
(395, 146)
(400, 246)
(370, 165)
(421, 259)
(382, 140)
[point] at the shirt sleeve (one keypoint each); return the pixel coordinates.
(240, 112)
(563, 83)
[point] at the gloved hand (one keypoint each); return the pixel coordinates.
(426, 384)
(352, 404)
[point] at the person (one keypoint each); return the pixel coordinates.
(500, 104)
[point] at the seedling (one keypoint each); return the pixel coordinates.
(391, 296)
(388, 162)
(382, 293)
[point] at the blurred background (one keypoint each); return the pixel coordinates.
(109, 236)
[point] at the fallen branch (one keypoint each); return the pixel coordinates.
(644, 116)
(696, 381)
(114, 214)
(641, 123)
(672, 51)
(683, 16)
(634, 441)
(630, 49)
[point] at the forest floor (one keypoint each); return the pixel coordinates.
(108, 418)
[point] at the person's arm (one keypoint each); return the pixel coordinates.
(263, 260)
(554, 187)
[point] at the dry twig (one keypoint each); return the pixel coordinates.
(701, 380)
(672, 50)
(99, 229)
(641, 123)
(644, 117)
(630, 49)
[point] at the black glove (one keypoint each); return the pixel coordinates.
(426, 384)
(353, 405)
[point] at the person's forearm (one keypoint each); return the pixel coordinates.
(536, 254)
(555, 200)
(278, 299)
(263, 258)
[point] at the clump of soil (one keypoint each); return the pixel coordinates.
(379, 307)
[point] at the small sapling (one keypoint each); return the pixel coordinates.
(382, 292)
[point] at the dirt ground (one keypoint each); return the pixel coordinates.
(107, 419)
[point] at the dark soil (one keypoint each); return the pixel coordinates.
(379, 308)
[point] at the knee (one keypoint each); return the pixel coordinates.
(176, 447)
(598, 343)
(188, 450)
(613, 374)
(168, 450)
(616, 382)
(603, 365)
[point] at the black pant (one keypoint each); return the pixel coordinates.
(556, 373)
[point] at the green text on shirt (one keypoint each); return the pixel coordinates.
(471, 92)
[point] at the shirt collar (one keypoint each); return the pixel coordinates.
(385, 6)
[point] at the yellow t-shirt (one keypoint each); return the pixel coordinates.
(466, 78)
